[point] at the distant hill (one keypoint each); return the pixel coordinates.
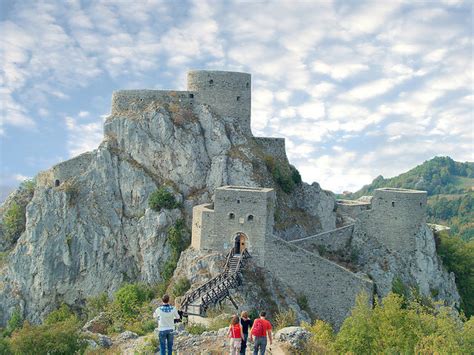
(450, 187)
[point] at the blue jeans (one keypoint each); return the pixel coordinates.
(260, 344)
(166, 338)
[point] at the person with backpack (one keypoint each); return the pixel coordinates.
(246, 324)
(261, 329)
(236, 335)
(166, 315)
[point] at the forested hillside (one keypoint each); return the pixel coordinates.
(450, 192)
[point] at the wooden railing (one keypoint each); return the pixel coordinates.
(216, 289)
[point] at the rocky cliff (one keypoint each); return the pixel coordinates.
(88, 226)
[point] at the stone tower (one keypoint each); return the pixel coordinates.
(395, 217)
(241, 217)
(227, 93)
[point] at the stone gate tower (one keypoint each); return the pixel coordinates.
(240, 216)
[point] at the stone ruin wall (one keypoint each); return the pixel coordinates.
(330, 289)
(334, 241)
(274, 147)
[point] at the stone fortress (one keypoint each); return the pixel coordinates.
(200, 141)
(243, 216)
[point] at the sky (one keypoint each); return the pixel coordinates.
(358, 89)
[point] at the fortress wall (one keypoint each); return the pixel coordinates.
(274, 147)
(227, 93)
(202, 227)
(334, 240)
(329, 288)
(65, 170)
(140, 100)
(395, 217)
(352, 208)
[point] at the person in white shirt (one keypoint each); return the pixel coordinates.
(165, 315)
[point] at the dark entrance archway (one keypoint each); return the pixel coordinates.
(240, 243)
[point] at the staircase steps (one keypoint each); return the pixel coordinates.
(197, 301)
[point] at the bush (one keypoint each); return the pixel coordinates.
(5, 347)
(62, 314)
(14, 222)
(162, 198)
(129, 299)
(15, 322)
(58, 338)
(179, 241)
(180, 287)
(97, 304)
(285, 319)
(302, 301)
(285, 177)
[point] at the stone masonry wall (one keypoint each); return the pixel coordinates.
(329, 288)
(66, 170)
(227, 93)
(274, 147)
(203, 227)
(395, 217)
(246, 210)
(139, 100)
(333, 241)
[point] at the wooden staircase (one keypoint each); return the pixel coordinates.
(197, 301)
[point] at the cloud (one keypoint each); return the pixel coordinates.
(83, 136)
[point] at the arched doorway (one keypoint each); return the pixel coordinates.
(240, 243)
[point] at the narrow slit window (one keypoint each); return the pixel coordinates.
(393, 204)
(238, 98)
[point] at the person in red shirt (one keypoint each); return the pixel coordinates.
(236, 335)
(261, 329)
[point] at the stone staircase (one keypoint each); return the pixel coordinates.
(197, 301)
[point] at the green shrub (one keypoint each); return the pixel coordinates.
(58, 338)
(196, 329)
(180, 287)
(302, 301)
(97, 304)
(399, 288)
(28, 186)
(5, 348)
(179, 241)
(162, 198)
(62, 314)
(129, 299)
(295, 175)
(14, 222)
(15, 322)
(285, 319)
(285, 177)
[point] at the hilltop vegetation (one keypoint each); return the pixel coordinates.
(449, 186)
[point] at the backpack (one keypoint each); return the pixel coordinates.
(258, 329)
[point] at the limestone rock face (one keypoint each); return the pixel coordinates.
(88, 225)
(420, 268)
